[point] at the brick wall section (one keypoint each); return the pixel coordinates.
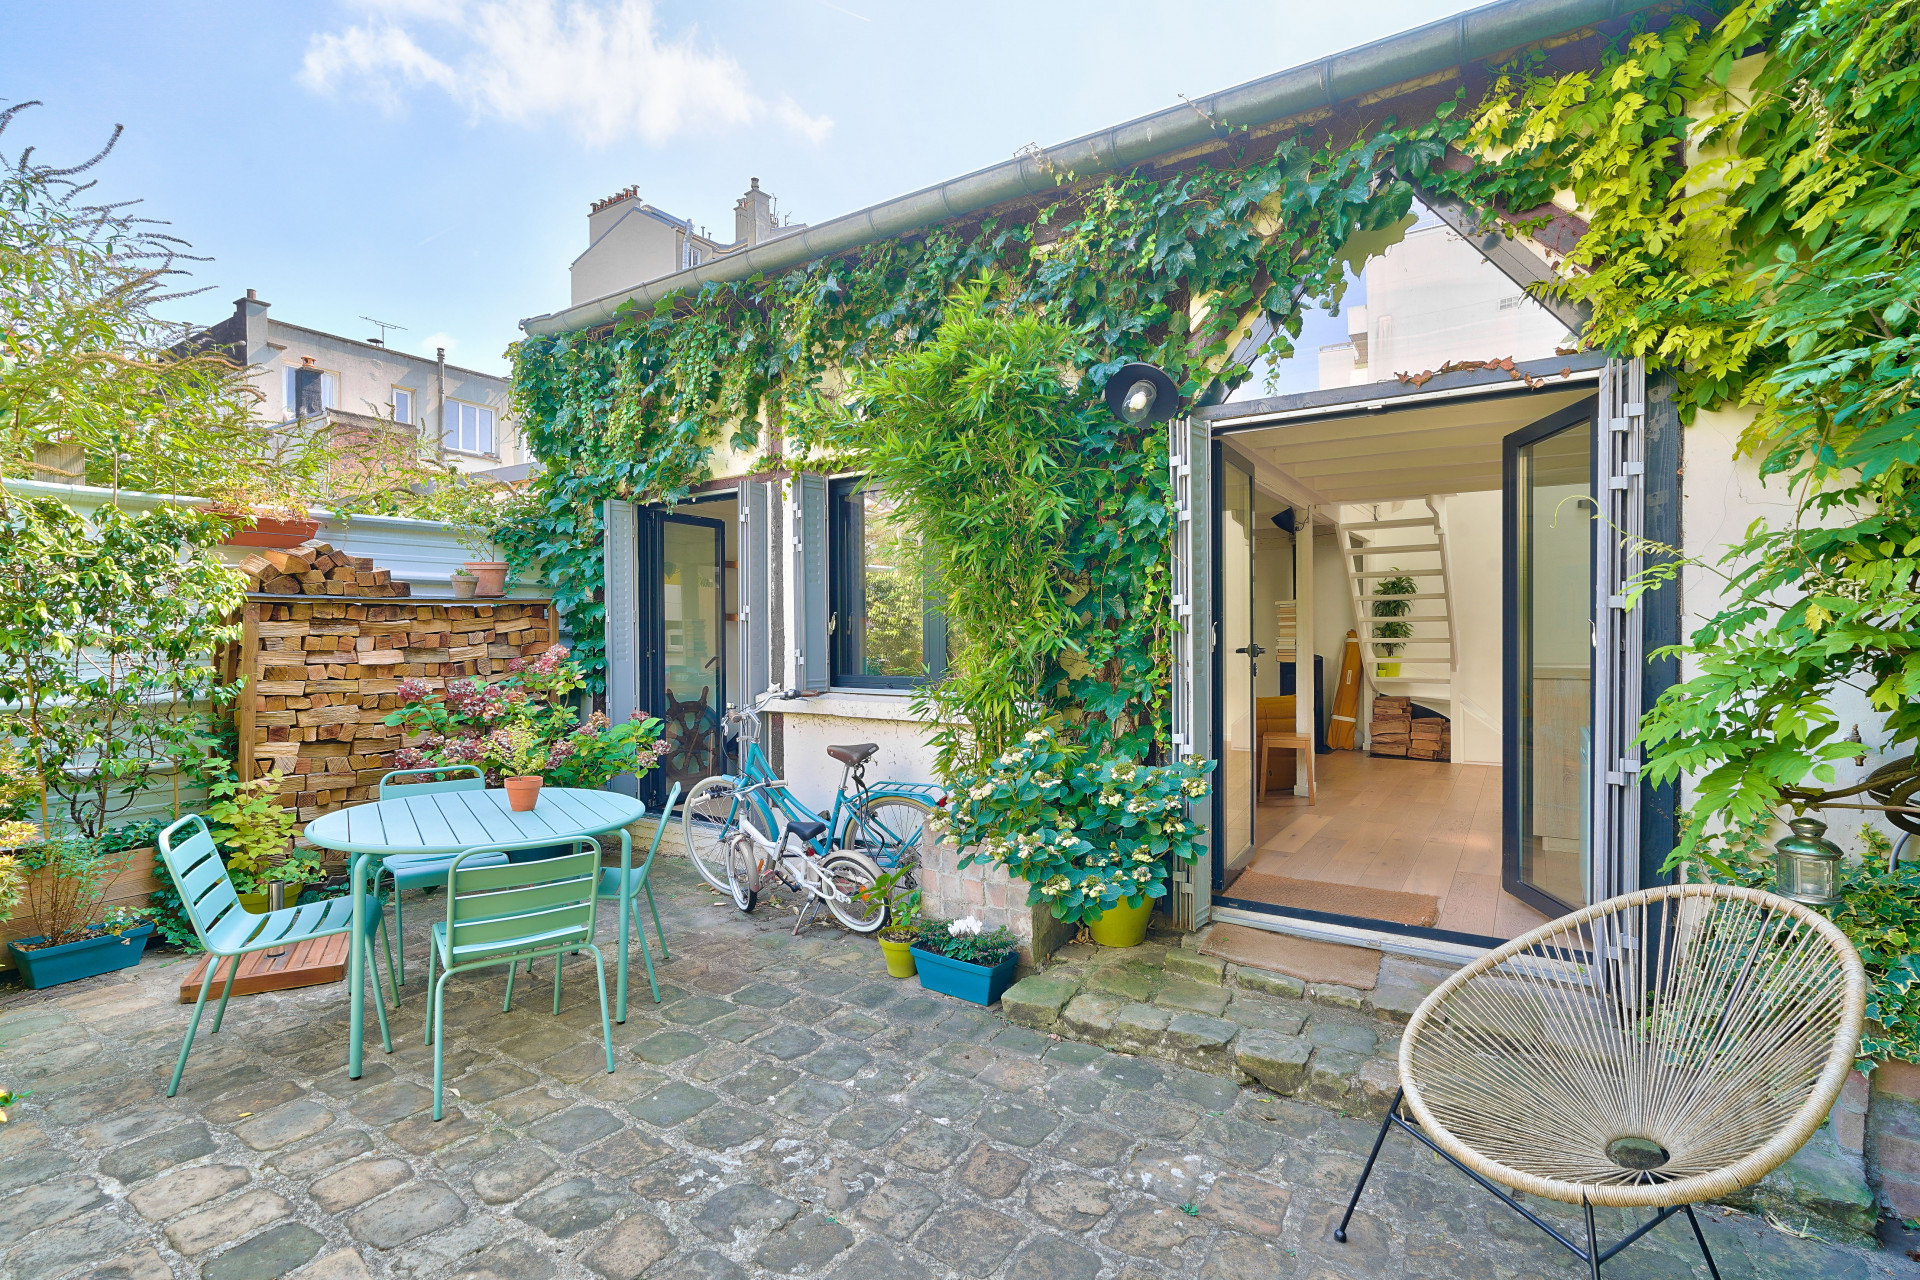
(1893, 1136)
(322, 674)
(996, 899)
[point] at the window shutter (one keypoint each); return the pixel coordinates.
(1189, 465)
(620, 555)
(756, 589)
(812, 605)
(1620, 450)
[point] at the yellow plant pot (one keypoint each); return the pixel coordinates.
(899, 958)
(1388, 670)
(1121, 925)
(254, 902)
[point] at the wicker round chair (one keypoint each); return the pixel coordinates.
(1653, 1050)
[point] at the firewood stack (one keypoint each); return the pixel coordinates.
(314, 568)
(1396, 732)
(322, 675)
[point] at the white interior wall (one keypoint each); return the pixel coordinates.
(1474, 559)
(1332, 613)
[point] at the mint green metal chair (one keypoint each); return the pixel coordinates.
(227, 930)
(420, 870)
(636, 881)
(502, 914)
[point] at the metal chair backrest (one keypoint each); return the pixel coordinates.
(465, 777)
(660, 827)
(497, 911)
(206, 891)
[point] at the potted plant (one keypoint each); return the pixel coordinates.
(523, 756)
(963, 959)
(463, 584)
(475, 511)
(256, 831)
(1392, 607)
(1095, 839)
(902, 929)
(65, 883)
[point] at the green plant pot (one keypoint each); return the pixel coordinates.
(899, 958)
(1388, 670)
(254, 902)
(45, 967)
(1121, 925)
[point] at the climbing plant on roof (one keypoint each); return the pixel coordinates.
(1138, 266)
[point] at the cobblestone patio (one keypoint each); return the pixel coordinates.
(788, 1111)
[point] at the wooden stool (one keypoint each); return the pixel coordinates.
(1302, 748)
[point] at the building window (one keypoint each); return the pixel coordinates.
(402, 405)
(329, 388)
(887, 632)
(469, 428)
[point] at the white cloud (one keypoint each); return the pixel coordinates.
(601, 66)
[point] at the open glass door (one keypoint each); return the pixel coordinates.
(684, 670)
(1550, 534)
(1237, 656)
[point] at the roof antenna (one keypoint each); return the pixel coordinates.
(383, 326)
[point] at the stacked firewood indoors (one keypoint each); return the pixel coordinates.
(1395, 731)
(321, 674)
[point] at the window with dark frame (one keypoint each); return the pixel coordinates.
(887, 632)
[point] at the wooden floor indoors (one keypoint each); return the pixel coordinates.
(1419, 826)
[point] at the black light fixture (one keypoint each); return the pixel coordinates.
(1141, 393)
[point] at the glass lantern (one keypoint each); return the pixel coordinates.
(1808, 864)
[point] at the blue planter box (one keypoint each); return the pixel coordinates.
(71, 961)
(963, 981)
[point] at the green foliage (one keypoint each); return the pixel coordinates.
(1774, 264)
(256, 832)
(107, 632)
(1167, 269)
(1085, 831)
(965, 940)
(903, 904)
(521, 724)
(163, 904)
(66, 881)
(94, 387)
(1393, 608)
(1879, 912)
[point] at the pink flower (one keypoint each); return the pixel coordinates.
(413, 690)
(409, 758)
(560, 750)
(516, 664)
(549, 662)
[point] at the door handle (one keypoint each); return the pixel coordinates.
(1252, 650)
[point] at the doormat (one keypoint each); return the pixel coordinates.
(1299, 958)
(1418, 909)
(304, 964)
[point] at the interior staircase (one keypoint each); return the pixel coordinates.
(1402, 539)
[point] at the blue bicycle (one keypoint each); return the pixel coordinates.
(884, 821)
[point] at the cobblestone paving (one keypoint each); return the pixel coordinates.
(788, 1111)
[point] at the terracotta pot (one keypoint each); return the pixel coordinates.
(523, 791)
(462, 584)
(250, 529)
(489, 578)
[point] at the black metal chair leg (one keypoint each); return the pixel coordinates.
(1340, 1232)
(1593, 1239)
(1701, 1237)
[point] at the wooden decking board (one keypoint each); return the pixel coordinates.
(305, 964)
(1415, 826)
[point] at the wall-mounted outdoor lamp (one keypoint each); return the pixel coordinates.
(1808, 864)
(1141, 393)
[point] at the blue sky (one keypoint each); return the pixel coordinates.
(430, 162)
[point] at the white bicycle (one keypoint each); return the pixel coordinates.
(838, 878)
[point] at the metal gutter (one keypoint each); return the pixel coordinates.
(1556, 372)
(1412, 55)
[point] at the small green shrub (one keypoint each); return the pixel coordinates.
(966, 940)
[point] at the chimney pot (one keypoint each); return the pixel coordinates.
(252, 296)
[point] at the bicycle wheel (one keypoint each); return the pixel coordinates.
(741, 857)
(892, 831)
(710, 814)
(851, 873)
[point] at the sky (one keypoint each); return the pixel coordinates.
(429, 163)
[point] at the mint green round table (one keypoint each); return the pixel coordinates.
(452, 821)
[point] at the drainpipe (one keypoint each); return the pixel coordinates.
(440, 390)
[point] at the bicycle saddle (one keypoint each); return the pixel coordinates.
(805, 830)
(858, 753)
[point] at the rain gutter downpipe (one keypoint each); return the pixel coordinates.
(1411, 55)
